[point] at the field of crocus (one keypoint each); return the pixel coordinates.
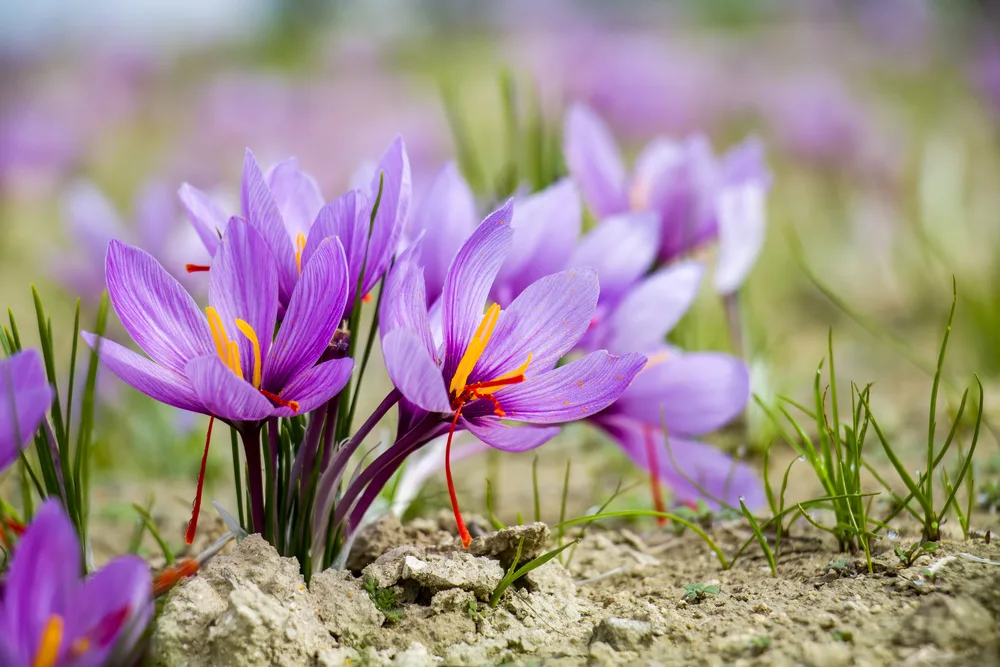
(523, 333)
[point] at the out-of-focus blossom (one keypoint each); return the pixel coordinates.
(227, 365)
(35, 146)
(25, 397)
(986, 75)
(50, 617)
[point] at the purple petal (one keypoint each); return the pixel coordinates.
(745, 163)
(574, 391)
(207, 217)
(313, 315)
(709, 467)
(509, 439)
(545, 320)
(157, 312)
(622, 248)
(42, 576)
(652, 308)
(698, 392)
(315, 386)
(223, 393)
(143, 375)
(469, 281)
(111, 609)
(447, 215)
(594, 162)
(296, 194)
(404, 305)
(661, 160)
(742, 227)
(546, 228)
(260, 209)
(414, 372)
(682, 193)
(243, 284)
(155, 209)
(345, 218)
(91, 219)
(392, 210)
(25, 397)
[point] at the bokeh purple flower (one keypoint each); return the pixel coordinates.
(51, 617)
(25, 397)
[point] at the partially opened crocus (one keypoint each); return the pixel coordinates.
(223, 362)
(285, 206)
(51, 617)
(683, 183)
(499, 365)
(25, 397)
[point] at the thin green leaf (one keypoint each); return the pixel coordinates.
(760, 538)
(533, 564)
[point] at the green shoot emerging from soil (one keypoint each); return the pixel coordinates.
(384, 600)
(909, 556)
(699, 592)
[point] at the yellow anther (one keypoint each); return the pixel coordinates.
(251, 335)
(218, 333)
(475, 350)
(233, 359)
(300, 245)
(48, 645)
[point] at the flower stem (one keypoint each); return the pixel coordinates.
(654, 475)
(250, 434)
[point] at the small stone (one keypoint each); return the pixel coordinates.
(623, 634)
(344, 607)
(761, 608)
(953, 624)
(502, 545)
(827, 622)
(387, 569)
(453, 599)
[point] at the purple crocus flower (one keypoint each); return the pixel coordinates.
(51, 617)
(224, 363)
(25, 397)
(501, 365)
(683, 183)
(286, 208)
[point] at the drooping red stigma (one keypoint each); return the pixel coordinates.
(654, 476)
(196, 508)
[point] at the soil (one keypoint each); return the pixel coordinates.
(617, 599)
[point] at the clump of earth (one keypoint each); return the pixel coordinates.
(412, 596)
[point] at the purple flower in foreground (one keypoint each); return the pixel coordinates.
(51, 617)
(684, 184)
(500, 365)
(287, 209)
(25, 397)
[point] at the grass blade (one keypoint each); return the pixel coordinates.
(760, 538)
(513, 575)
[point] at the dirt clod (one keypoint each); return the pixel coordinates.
(623, 634)
(502, 545)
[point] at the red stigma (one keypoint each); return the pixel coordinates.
(196, 508)
(274, 398)
(195, 268)
(463, 532)
(170, 576)
(367, 298)
(654, 477)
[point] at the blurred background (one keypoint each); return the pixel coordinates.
(881, 120)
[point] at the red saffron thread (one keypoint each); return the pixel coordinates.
(654, 477)
(170, 576)
(293, 405)
(196, 508)
(195, 268)
(463, 532)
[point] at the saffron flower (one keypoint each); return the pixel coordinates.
(50, 617)
(223, 363)
(499, 365)
(25, 397)
(286, 207)
(697, 197)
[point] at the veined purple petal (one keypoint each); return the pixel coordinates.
(25, 397)
(652, 308)
(261, 210)
(622, 248)
(41, 579)
(243, 284)
(742, 227)
(315, 386)
(414, 372)
(296, 194)
(110, 610)
(313, 315)
(157, 312)
(574, 391)
(469, 281)
(711, 468)
(345, 218)
(404, 305)
(447, 216)
(698, 392)
(157, 382)
(155, 208)
(392, 210)
(594, 162)
(546, 229)
(223, 393)
(207, 217)
(546, 320)
(91, 219)
(509, 439)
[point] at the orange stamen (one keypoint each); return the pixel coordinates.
(196, 268)
(274, 398)
(196, 508)
(170, 576)
(654, 477)
(463, 532)
(48, 645)
(300, 245)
